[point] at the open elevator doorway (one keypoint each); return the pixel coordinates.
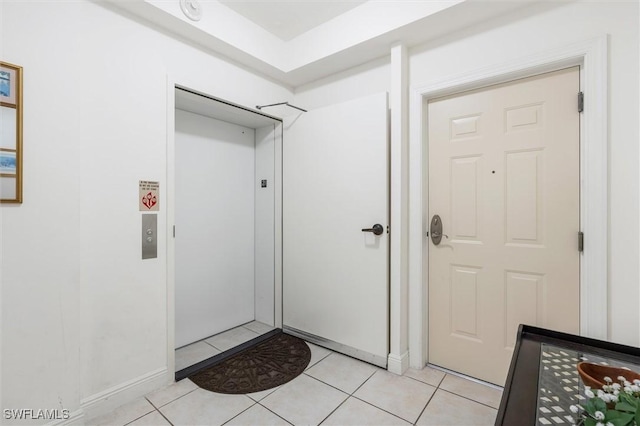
(227, 215)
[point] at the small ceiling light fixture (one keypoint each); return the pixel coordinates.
(192, 9)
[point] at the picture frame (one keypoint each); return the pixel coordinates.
(10, 133)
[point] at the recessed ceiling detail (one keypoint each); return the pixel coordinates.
(329, 36)
(288, 19)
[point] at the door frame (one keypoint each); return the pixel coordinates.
(591, 56)
(171, 85)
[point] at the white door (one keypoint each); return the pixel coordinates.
(215, 213)
(504, 178)
(335, 184)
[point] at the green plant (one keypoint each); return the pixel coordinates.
(616, 404)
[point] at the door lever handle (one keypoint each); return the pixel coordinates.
(377, 229)
(439, 235)
(436, 230)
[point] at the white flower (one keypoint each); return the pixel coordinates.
(628, 390)
(589, 393)
(574, 409)
(599, 415)
(636, 381)
(635, 388)
(607, 379)
(609, 424)
(622, 379)
(613, 398)
(600, 424)
(600, 394)
(616, 386)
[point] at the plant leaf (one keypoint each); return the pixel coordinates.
(620, 422)
(619, 419)
(589, 422)
(600, 405)
(590, 407)
(625, 406)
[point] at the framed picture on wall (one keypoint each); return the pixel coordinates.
(8, 164)
(10, 133)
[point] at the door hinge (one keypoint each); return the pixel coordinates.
(580, 241)
(580, 101)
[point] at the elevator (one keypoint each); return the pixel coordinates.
(227, 186)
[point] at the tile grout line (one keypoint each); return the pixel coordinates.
(320, 381)
(165, 417)
(139, 417)
(467, 398)
(173, 400)
(393, 414)
(381, 409)
(226, 331)
(426, 383)
(436, 387)
(335, 409)
(243, 411)
(318, 361)
(352, 395)
(271, 411)
(457, 394)
(324, 383)
(260, 333)
(362, 384)
(465, 377)
(426, 405)
(210, 344)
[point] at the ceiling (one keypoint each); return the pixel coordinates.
(296, 42)
(287, 19)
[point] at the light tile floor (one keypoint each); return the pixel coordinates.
(334, 390)
(206, 348)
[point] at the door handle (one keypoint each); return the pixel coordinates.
(377, 229)
(436, 230)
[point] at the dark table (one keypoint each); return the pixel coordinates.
(543, 380)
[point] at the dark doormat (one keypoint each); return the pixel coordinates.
(265, 365)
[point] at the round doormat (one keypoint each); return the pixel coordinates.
(265, 365)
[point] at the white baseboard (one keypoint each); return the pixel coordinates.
(398, 364)
(110, 399)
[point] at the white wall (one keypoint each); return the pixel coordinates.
(543, 28)
(372, 77)
(215, 212)
(265, 225)
(83, 317)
